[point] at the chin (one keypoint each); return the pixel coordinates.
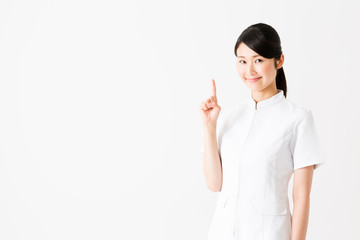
(255, 88)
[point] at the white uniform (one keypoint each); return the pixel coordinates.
(260, 145)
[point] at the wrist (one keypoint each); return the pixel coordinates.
(209, 127)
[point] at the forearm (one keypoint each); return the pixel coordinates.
(212, 165)
(300, 218)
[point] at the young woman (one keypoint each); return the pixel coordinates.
(252, 149)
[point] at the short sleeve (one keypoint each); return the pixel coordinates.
(305, 145)
(218, 127)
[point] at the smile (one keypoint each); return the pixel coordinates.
(253, 79)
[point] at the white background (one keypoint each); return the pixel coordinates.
(100, 127)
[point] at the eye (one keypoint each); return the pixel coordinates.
(241, 61)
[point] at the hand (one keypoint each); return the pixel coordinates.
(209, 109)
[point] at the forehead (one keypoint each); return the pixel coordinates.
(244, 50)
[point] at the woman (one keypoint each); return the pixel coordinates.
(252, 149)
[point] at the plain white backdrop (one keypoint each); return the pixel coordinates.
(100, 128)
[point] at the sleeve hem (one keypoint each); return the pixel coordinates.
(317, 165)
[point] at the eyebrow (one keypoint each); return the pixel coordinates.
(252, 56)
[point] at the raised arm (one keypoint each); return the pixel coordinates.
(210, 110)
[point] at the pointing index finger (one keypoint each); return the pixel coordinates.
(213, 88)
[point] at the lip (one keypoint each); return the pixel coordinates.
(253, 79)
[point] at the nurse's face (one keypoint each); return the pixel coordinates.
(257, 72)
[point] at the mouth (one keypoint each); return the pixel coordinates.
(253, 79)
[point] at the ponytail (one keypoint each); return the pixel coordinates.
(281, 80)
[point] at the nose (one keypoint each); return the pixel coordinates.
(251, 70)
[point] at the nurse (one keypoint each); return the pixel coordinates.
(252, 149)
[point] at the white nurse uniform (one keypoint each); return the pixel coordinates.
(260, 145)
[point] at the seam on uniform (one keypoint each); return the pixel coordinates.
(270, 157)
(265, 189)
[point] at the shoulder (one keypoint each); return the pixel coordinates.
(301, 116)
(297, 111)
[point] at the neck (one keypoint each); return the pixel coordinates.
(264, 94)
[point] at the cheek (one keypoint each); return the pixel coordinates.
(268, 69)
(240, 70)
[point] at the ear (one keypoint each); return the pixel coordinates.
(280, 62)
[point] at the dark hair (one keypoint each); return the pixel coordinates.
(264, 40)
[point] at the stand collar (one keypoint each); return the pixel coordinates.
(267, 102)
